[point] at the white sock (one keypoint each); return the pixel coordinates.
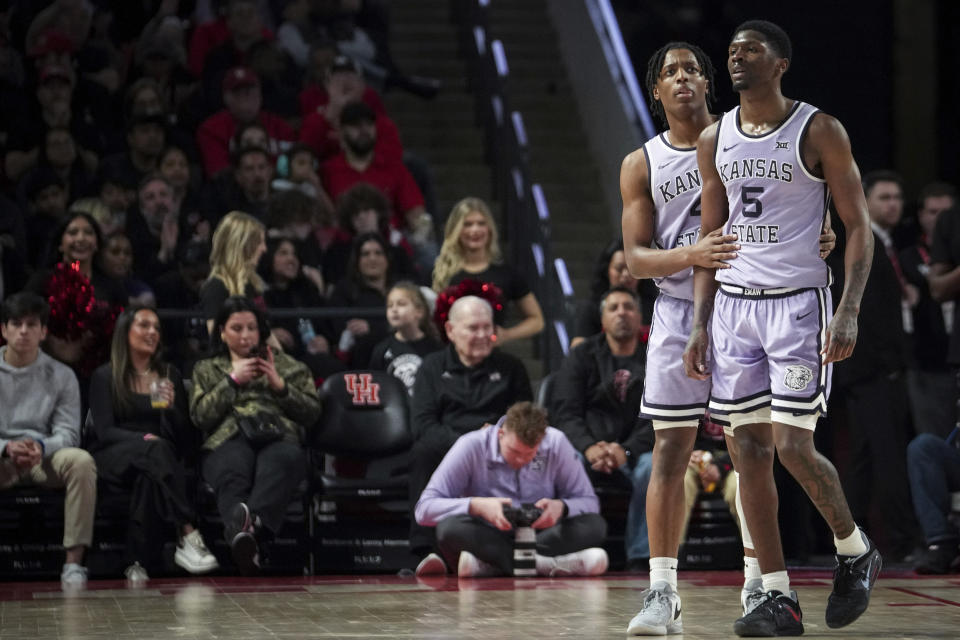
(744, 531)
(852, 545)
(751, 570)
(663, 570)
(777, 581)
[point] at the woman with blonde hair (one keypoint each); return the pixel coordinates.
(238, 242)
(471, 251)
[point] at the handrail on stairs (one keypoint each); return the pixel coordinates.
(525, 212)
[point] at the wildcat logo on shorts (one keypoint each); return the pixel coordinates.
(363, 389)
(797, 377)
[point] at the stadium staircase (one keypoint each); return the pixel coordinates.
(446, 132)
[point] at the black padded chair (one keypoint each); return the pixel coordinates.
(545, 390)
(365, 418)
(360, 451)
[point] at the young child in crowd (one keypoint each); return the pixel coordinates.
(414, 336)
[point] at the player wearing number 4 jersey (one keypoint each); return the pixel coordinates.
(769, 168)
(660, 184)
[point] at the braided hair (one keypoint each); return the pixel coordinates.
(656, 63)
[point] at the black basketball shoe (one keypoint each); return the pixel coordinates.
(853, 580)
(776, 615)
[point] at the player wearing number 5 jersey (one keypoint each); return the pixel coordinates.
(660, 184)
(769, 168)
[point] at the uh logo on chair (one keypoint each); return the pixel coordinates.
(363, 389)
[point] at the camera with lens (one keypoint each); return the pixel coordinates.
(524, 538)
(522, 516)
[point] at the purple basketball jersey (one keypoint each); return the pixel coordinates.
(776, 205)
(675, 189)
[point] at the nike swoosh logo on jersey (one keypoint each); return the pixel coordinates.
(799, 317)
(666, 164)
(731, 146)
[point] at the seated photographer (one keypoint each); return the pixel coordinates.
(253, 407)
(519, 462)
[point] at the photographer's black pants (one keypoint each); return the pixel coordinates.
(482, 539)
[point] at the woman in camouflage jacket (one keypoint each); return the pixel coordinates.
(246, 383)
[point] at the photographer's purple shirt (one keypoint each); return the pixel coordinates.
(474, 468)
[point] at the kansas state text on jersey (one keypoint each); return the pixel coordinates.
(776, 205)
(675, 189)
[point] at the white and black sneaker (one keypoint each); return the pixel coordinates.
(192, 554)
(751, 595)
(660, 614)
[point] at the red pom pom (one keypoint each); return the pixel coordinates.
(469, 287)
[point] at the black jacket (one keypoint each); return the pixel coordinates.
(597, 399)
(450, 399)
(881, 348)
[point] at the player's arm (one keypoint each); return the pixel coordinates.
(944, 275)
(944, 281)
(638, 221)
(830, 147)
(713, 215)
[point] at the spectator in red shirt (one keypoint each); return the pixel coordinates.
(324, 68)
(360, 162)
(244, 101)
(343, 85)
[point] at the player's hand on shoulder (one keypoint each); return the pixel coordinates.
(828, 239)
(713, 250)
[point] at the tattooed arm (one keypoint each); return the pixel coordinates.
(827, 147)
(713, 215)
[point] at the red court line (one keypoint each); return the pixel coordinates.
(911, 592)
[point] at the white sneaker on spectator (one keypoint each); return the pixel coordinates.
(660, 614)
(432, 565)
(73, 576)
(192, 554)
(135, 574)
(751, 595)
(470, 566)
(588, 562)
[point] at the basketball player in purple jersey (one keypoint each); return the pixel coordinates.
(769, 169)
(660, 185)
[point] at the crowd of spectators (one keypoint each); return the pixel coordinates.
(234, 157)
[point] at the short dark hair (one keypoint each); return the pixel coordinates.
(291, 206)
(773, 35)
(25, 304)
(528, 421)
(357, 112)
(360, 197)
(242, 152)
(936, 190)
(632, 294)
(871, 178)
(656, 63)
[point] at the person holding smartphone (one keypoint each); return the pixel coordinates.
(253, 406)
